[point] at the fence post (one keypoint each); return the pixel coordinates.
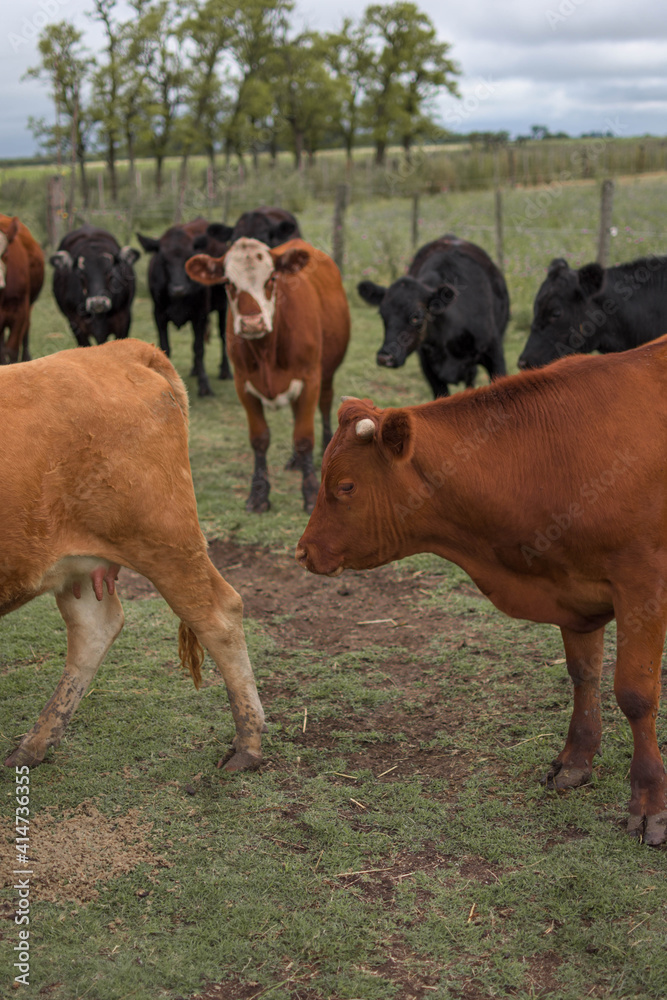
(415, 219)
(55, 197)
(100, 190)
(606, 204)
(338, 242)
(500, 254)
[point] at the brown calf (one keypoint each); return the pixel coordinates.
(549, 489)
(21, 280)
(288, 327)
(95, 475)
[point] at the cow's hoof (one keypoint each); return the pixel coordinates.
(23, 756)
(292, 464)
(560, 777)
(225, 373)
(205, 389)
(240, 760)
(651, 830)
(257, 505)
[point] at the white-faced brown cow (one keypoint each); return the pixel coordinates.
(87, 487)
(288, 327)
(550, 489)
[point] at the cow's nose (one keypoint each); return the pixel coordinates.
(177, 291)
(301, 555)
(523, 364)
(98, 304)
(386, 360)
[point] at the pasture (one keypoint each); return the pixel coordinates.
(397, 842)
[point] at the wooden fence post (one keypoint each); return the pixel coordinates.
(606, 204)
(415, 219)
(55, 198)
(338, 242)
(500, 253)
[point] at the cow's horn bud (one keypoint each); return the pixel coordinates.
(365, 429)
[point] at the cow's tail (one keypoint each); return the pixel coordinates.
(160, 363)
(190, 652)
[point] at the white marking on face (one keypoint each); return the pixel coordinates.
(283, 399)
(248, 267)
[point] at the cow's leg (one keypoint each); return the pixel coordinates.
(199, 330)
(17, 331)
(494, 360)
(574, 764)
(92, 626)
(80, 335)
(260, 438)
(326, 397)
(225, 370)
(438, 387)
(304, 442)
(162, 326)
(641, 637)
(208, 605)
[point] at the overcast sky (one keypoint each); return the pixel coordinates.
(573, 65)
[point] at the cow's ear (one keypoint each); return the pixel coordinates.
(219, 231)
(371, 293)
(206, 270)
(148, 243)
(396, 435)
(292, 261)
(129, 255)
(591, 279)
(283, 232)
(443, 296)
(557, 265)
(61, 260)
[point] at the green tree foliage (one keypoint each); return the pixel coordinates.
(185, 76)
(64, 65)
(410, 68)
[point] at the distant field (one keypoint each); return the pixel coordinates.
(397, 842)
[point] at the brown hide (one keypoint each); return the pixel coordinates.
(308, 340)
(550, 489)
(96, 475)
(25, 276)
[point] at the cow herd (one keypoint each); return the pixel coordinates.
(548, 487)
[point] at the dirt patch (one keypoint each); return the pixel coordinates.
(325, 611)
(74, 854)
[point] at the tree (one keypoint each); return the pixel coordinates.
(258, 27)
(350, 58)
(166, 78)
(410, 67)
(207, 31)
(137, 52)
(107, 84)
(65, 66)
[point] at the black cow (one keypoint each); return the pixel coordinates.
(177, 299)
(94, 283)
(272, 226)
(452, 307)
(597, 309)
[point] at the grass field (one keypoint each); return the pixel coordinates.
(397, 842)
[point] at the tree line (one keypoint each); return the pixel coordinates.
(186, 77)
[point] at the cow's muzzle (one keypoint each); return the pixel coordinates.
(387, 360)
(253, 326)
(304, 558)
(97, 304)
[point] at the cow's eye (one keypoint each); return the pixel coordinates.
(556, 312)
(346, 487)
(415, 320)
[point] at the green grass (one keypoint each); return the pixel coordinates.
(321, 877)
